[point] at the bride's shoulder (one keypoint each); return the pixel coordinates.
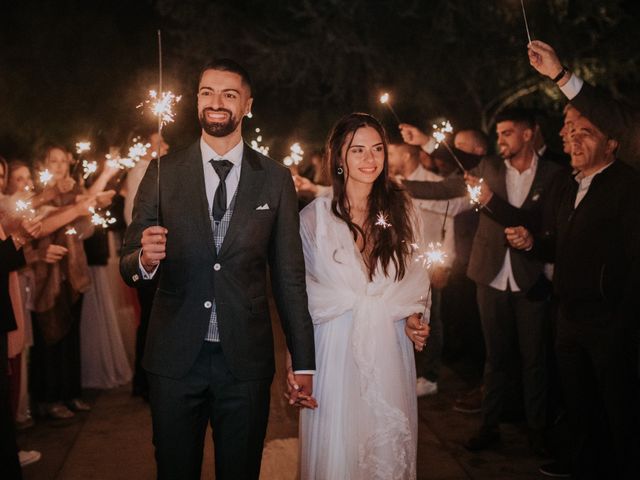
(317, 206)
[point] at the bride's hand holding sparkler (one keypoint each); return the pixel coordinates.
(413, 135)
(519, 238)
(479, 191)
(417, 331)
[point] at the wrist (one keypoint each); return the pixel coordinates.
(562, 73)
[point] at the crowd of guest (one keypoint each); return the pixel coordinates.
(544, 265)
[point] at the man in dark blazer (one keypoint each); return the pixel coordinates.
(512, 291)
(616, 119)
(223, 214)
(594, 238)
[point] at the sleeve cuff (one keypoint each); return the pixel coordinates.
(304, 372)
(145, 275)
(572, 87)
(430, 146)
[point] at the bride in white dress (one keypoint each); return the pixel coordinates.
(362, 283)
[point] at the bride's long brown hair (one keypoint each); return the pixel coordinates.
(390, 245)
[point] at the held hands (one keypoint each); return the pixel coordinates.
(154, 246)
(83, 203)
(413, 135)
(485, 191)
(519, 238)
(417, 331)
(299, 390)
(104, 199)
(543, 58)
(304, 185)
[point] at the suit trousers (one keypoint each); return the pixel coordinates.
(181, 408)
(597, 363)
(146, 292)
(513, 325)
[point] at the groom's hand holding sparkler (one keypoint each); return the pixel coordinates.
(544, 59)
(154, 246)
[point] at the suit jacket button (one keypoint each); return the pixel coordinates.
(217, 267)
(207, 304)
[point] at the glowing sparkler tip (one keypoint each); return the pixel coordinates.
(82, 147)
(384, 98)
(45, 176)
(381, 221)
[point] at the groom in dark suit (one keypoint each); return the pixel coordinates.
(224, 213)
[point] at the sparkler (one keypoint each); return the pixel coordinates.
(440, 136)
(381, 221)
(89, 168)
(294, 158)
(256, 144)
(71, 231)
(162, 105)
(45, 176)
(99, 220)
(82, 147)
(384, 99)
(526, 23)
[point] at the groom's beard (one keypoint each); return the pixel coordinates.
(218, 129)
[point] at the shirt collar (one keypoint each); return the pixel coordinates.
(234, 155)
(581, 178)
(532, 168)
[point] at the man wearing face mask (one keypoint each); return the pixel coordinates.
(224, 213)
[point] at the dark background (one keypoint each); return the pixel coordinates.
(74, 69)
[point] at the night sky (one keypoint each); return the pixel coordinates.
(77, 69)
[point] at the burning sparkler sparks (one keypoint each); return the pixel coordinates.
(162, 105)
(82, 147)
(256, 143)
(434, 255)
(382, 221)
(99, 220)
(384, 99)
(71, 231)
(295, 157)
(89, 168)
(45, 176)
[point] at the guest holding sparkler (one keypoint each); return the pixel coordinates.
(362, 283)
(613, 117)
(55, 361)
(593, 237)
(511, 287)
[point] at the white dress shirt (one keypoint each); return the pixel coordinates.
(518, 186)
(572, 87)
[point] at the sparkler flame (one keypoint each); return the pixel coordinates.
(440, 132)
(381, 221)
(162, 105)
(22, 205)
(82, 147)
(89, 168)
(434, 255)
(71, 231)
(474, 193)
(99, 220)
(384, 98)
(45, 176)
(256, 144)
(295, 157)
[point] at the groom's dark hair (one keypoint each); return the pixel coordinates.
(228, 65)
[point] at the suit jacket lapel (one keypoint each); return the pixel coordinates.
(249, 189)
(198, 195)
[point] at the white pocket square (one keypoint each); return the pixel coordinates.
(263, 207)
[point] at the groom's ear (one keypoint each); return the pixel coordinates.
(247, 109)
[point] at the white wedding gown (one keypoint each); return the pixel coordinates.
(365, 426)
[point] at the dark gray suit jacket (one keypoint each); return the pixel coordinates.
(489, 244)
(188, 281)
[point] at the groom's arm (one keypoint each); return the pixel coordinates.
(145, 213)
(288, 277)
